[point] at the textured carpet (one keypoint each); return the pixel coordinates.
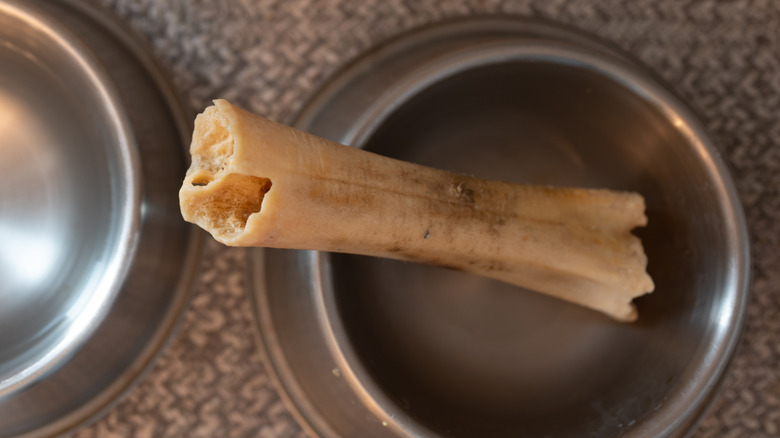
(268, 55)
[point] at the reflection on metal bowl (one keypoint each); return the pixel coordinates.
(369, 347)
(95, 261)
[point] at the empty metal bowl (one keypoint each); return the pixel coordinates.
(69, 192)
(95, 262)
(368, 347)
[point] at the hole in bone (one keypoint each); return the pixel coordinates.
(201, 178)
(231, 200)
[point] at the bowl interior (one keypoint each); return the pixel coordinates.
(66, 195)
(468, 356)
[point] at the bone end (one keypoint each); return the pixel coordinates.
(212, 196)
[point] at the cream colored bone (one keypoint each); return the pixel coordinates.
(254, 182)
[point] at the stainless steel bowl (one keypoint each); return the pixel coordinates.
(95, 261)
(69, 193)
(368, 347)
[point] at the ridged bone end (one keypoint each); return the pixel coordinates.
(212, 196)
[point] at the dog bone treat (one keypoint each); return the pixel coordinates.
(254, 182)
